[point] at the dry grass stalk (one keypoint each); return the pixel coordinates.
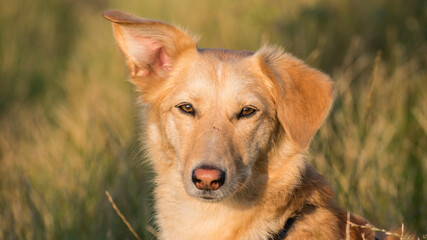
(374, 79)
(375, 229)
(121, 216)
(347, 227)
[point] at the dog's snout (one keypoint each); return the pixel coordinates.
(208, 178)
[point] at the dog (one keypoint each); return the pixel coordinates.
(226, 133)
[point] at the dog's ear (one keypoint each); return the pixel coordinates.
(302, 94)
(150, 47)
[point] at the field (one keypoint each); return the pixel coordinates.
(69, 122)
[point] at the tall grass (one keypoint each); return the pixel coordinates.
(69, 125)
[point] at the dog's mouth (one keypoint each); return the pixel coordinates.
(210, 196)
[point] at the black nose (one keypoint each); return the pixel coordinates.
(208, 178)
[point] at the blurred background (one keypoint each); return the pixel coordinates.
(69, 124)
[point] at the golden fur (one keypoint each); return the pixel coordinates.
(267, 181)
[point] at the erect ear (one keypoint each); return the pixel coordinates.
(150, 47)
(302, 94)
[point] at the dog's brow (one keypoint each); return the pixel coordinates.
(192, 97)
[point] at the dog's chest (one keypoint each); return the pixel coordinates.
(187, 218)
(195, 220)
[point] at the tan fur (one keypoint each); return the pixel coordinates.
(267, 181)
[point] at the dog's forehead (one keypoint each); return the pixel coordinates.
(216, 77)
(221, 69)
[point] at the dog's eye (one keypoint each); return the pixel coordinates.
(186, 108)
(247, 111)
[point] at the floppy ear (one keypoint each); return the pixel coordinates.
(302, 94)
(150, 47)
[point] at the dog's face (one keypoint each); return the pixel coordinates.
(216, 112)
(218, 115)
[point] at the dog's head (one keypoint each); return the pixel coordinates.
(219, 112)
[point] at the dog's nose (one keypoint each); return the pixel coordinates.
(208, 178)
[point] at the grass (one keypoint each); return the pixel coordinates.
(69, 123)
